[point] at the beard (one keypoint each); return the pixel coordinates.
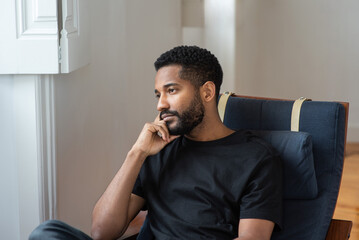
(188, 119)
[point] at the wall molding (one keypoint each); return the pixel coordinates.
(70, 15)
(46, 137)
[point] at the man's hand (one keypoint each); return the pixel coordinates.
(153, 137)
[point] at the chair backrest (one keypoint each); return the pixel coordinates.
(325, 122)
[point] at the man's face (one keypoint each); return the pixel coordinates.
(179, 103)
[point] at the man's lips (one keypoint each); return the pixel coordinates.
(167, 117)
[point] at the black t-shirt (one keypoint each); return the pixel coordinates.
(200, 190)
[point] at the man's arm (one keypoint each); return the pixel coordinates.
(118, 206)
(255, 229)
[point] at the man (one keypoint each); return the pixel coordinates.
(197, 178)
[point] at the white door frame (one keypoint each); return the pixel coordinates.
(35, 150)
(46, 138)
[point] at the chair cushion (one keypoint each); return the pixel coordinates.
(295, 150)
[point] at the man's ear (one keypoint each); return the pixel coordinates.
(208, 91)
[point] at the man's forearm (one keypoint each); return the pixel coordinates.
(249, 238)
(116, 207)
(246, 238)
(111, 213)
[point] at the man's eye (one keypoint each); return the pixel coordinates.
(171, 90)
(157, 96)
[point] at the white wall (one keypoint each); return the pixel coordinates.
(211, 24)
(220, 37)
(19, 172)
(101, 108)
(305, 48)
(9, 204)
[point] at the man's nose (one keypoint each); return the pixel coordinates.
(162, 103)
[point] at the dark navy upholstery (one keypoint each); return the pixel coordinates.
(296, 152)
(304, 219)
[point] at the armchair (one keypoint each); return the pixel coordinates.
(310, 192)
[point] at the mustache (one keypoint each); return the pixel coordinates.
(168, 112)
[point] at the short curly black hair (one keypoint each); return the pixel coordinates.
(198, 65)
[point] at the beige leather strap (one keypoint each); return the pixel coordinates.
(297, 105)
(222, 103)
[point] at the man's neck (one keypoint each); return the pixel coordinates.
(210, 129)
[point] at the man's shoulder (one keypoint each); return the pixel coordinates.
(259, 142)
(254, 147)
(250, 140)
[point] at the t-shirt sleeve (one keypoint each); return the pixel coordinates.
(137, 188)
(262, 197)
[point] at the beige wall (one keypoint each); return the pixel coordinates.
(101, 108)
(282, 49)
(300, 48)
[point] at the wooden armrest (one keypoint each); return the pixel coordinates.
(339, 230)
(134, 227)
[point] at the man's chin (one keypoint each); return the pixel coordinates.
(172, 127)
(175, 130)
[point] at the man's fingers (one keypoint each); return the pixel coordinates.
(157, 119)
(162, 131)
(160, 128)
(162, 124)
